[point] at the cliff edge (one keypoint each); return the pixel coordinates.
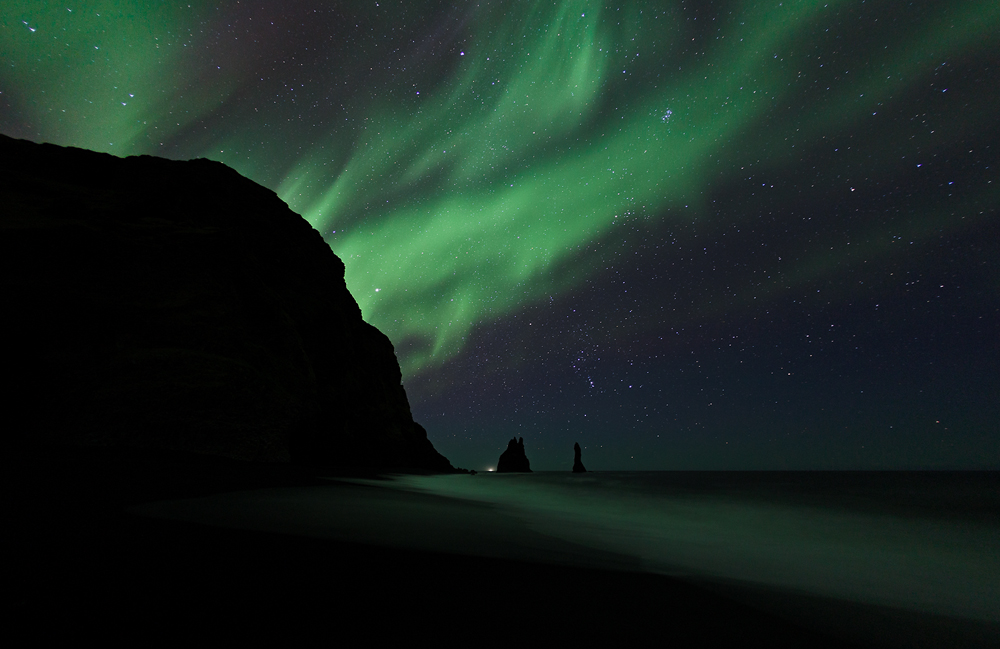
(178, 306)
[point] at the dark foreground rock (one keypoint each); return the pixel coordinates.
(178, 306)
(577, 462)
(514, 460)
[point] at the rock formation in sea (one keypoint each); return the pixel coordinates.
(577, 463)
(514, 460)
(179, 306)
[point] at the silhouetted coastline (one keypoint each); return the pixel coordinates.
(176, 305)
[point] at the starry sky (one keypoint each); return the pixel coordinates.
(687, 235)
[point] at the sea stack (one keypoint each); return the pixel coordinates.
(577, 464)
(514, 460)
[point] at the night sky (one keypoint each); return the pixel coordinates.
(687, 235)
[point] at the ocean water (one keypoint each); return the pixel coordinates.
(926, 543)
(923, 541)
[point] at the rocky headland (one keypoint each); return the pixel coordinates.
(172, 306)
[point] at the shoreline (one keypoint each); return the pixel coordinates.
(82, 553)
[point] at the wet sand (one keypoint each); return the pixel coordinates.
(103, 550)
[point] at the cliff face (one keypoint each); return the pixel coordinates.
(179, 306)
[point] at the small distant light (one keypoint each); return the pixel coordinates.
(377, 290)
(461, 53)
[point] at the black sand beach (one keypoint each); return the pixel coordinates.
(86, 567)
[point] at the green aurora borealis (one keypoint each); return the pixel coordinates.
(474, 163)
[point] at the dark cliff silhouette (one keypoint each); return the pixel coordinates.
(514, 460)
(577, 463)
(179, 306)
